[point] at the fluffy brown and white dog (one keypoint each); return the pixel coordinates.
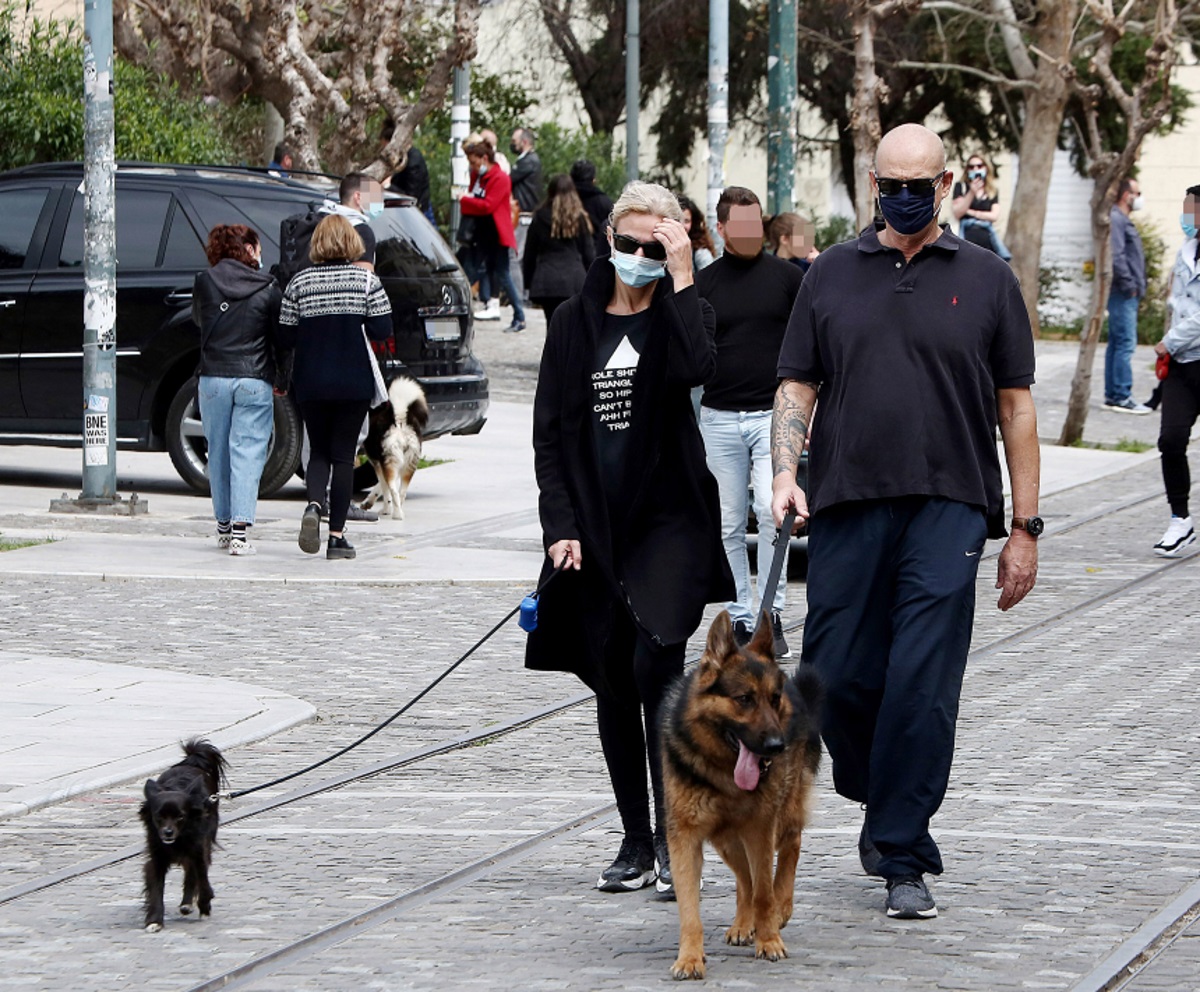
(393, 443)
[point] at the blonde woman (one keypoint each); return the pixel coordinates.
(325, 310)
(559, 249)
(627, 502)
(975, 206)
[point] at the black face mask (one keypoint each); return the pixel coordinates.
(514, 148)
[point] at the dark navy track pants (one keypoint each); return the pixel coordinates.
(891, 601)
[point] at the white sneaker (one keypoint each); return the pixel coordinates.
(223, 541)
(489, 312)
(1128, 405)
(241, 546)
(1179, 535)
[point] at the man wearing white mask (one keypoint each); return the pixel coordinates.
(1128, 287)
(361, 199)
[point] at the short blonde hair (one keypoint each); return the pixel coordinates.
(645, 198)
(335, 240)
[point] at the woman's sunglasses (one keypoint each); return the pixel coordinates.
(655, 250)
(918, 187)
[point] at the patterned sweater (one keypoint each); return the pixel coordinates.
(325, 310)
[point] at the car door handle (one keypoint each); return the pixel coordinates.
(8, 303)
(178, 297)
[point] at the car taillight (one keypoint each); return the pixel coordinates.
(384, 349)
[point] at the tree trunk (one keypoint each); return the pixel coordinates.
(1044, 109)
(1081, 382)
(864, 112)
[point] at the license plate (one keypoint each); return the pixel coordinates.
(442, 329)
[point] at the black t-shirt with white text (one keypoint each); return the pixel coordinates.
(618, 350)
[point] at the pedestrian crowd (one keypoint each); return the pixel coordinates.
(692, 383)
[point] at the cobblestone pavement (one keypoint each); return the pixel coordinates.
(1069, 823)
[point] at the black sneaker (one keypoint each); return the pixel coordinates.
(908, 898)
(742, 633)
(633, 868)
(868, 854)
(664, 883)
(310, 529)
(339, 547)
(781, 646)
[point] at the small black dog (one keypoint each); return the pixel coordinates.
(181, 828)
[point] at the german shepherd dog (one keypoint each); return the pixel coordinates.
(741, 747)
(181, 829)
(393, 443)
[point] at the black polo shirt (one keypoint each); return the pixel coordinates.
(907, 359)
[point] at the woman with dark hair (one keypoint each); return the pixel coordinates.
(559, 249)
(326, 310)
(488, 202)
(704, 251)
(236, 307)
(627, 504)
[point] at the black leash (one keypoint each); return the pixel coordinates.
(783, 535)
(524, 605)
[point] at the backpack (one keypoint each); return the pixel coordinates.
(295, 235)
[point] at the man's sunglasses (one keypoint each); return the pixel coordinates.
(918, 187)
(655, 250)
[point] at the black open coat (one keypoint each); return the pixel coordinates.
(664, 561)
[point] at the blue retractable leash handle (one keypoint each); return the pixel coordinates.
(527, 612)
(782, 536)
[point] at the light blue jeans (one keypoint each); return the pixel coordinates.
(738, 448)
(238, 416)
(998, 246)
(1122, 342)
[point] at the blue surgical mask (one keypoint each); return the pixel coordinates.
(977, 174)
(1188, 223)
(906, 213)
(374, 208)
(636, 271)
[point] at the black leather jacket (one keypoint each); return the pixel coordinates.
(237, 310)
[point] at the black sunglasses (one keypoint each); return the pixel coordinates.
(655, 250)
(918, 187)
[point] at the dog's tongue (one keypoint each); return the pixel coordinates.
(745, 774)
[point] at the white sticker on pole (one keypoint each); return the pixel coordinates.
(95, 438)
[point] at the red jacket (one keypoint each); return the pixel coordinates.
(497, 192)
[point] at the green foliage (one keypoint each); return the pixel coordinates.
(1152, 308)
(41, 103)
(833, 230)
(560, 148)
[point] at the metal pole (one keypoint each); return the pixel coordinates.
(781, 97)
(718, 105)
(99, 257)
(633, 78)
(460, 127)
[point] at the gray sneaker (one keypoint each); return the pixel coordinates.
(1127, 405)
(908, 898)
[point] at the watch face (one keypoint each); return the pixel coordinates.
(1035, 525)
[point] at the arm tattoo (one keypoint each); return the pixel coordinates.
(789, 427)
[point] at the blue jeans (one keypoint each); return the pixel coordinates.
(500, 277)
(738, 448)
(998, 246)
(238, 415)
(1122, 340)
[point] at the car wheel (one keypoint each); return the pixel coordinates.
(189, 449)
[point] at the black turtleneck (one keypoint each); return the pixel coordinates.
(753, 299)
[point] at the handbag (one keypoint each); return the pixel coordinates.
(381, 393)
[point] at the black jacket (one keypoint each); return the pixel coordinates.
(664, 561)
(599, 207)
(555, 268)
(526, 176)
(237, 310)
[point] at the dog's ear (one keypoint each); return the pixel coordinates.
(152, 788)
(763, 641)
(720, 645)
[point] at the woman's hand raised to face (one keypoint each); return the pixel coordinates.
(674, 237)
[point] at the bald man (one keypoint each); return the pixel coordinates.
(917, 346)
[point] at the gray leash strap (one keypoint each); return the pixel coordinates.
(782, 536)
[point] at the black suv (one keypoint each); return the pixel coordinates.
(163, 216)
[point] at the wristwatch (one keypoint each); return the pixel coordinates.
(1033, 526)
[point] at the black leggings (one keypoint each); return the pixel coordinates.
(333, 427)
(639, 672)
(1180, 405)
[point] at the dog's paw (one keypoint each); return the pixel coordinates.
(771, 949)
(740, 934)
(185, 908)
(785, 914)
(688, 966)
(153, 927)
